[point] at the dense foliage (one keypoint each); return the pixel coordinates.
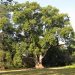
(33, 34)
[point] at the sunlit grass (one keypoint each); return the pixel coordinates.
(70, 66)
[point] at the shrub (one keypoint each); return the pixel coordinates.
(17, 61)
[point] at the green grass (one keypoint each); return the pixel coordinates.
(70, 66)
(66, 71)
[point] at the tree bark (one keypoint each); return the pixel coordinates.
(38, 63)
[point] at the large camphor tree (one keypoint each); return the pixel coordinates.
(30, 30)
(37, 27)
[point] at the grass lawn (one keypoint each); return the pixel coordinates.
(66, 71)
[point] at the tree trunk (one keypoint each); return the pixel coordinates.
(38, 63)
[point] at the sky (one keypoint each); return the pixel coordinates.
(65, 6)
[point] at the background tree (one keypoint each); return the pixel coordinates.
(6, 36)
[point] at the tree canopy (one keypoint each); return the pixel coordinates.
(35, 30)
